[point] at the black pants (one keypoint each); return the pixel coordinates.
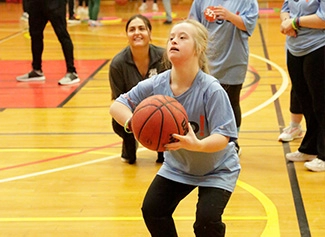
(233, 92)
(129, 146)
(295, 107)
(39, 14)
(71, 8)
(164, 195)
(81, 1)
(307, 74)
(25, 6)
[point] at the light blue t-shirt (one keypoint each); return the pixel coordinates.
(209, 111)
(228, 49)
(307, 39)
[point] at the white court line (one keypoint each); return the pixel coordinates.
(284, 85)
(12, 36)
(62, 168)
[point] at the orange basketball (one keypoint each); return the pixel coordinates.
(209, 13)
(156, 118)
(121, 2)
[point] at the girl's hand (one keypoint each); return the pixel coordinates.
(188, 142)
(222, 13)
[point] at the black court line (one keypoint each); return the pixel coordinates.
(295, 189)
(266, 53)
(82, 84)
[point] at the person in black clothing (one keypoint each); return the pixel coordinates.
(136, 62)
(72, 18)
(24, 16)
(40, 12)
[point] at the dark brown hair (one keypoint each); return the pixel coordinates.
(143, 18)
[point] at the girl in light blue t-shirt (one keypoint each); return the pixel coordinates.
(205, 158)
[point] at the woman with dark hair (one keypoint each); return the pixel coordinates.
(138, 61)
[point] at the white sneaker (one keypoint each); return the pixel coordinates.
(34, 75)
(290, 133)
(155, 7)
(24, 17)
(73, 20)
(69, 79)
(143, 7)
(124, 160)
(317, 165)
(94, 23)
(299, 156)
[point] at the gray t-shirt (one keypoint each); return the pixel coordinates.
(209, 112)
(228, 46)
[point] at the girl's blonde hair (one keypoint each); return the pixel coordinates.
(201, 39)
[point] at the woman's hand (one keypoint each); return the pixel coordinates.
(286, 28)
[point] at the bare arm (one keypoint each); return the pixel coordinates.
(312, 21)
(120, 112)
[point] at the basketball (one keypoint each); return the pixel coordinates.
(209, 14)
(121, 2)
(156, 118)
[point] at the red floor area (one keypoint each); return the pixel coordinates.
(47, 94)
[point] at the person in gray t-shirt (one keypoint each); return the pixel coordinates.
(205, 158)
(230, 24)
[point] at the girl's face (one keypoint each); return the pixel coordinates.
(181, 43)
(138, 33)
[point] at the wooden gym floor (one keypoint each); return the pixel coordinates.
(60, 168)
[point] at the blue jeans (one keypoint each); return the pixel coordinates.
(164, 195)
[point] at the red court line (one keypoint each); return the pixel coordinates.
(46, 94)
(59, 157)
(253, 87)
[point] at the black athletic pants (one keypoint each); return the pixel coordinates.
(164, 195)
(233, 92)
(39, 14)
(129, 146)
(307, 74)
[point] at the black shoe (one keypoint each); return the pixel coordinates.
(160, 158)
(127, 160)
(132, 161)
(167, 22)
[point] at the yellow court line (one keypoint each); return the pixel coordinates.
(272, 228)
